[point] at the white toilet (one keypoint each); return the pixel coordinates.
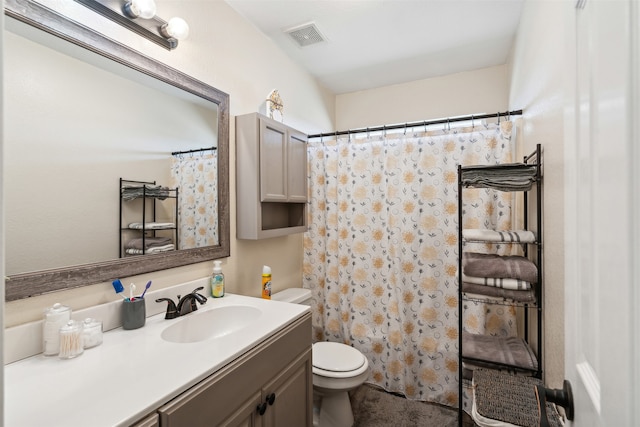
(337, 369)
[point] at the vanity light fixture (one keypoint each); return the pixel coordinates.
(176, 28)
(140, 17)
(140, 9)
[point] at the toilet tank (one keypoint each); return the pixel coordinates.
(293, 295)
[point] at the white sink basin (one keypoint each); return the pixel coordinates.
(213, 323)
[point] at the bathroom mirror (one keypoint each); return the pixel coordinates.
(182, 99)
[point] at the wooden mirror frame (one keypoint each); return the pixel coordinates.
(26, 285)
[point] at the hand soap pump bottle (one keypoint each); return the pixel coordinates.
(217, 281)
(266, 282)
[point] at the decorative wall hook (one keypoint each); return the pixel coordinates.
(275, 103)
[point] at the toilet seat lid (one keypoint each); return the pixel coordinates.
(336, 357)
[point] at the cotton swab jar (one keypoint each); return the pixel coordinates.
(55, 317)
(91, 332)
(71, 342)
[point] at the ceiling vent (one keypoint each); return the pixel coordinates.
(305, 34)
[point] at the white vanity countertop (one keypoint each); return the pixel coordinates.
(132, 372)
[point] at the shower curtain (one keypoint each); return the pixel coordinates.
(381, 254)
(196, 176)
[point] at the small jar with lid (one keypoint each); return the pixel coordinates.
(55, 317)
(71, 342)
(91, 332)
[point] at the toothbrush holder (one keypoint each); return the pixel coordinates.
(134, 313)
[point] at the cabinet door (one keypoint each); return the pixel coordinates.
(291, 395)
(273, 162)
(246, 415)
(297, 167)
(226, 398)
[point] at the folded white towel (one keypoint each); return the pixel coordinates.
(149, 242)
(154, 250)
(151, 225)
(514, 284)
(518, 236)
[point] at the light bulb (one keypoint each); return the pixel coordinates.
(176, 28)
(140, 9)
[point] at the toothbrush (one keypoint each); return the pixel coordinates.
(117, 285)
(145, 289)
(132, 289)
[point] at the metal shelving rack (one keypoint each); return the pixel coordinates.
(534, 158)
(172, 193)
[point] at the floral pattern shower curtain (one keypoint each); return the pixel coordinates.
(196, 176)
(381, 253)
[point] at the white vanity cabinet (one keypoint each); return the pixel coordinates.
(269, 386)
(271, 175)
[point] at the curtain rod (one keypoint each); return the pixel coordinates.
(176, 153)
(416, 124)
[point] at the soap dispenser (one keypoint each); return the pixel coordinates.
(217, 281)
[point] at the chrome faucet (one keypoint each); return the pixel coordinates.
(186, 304)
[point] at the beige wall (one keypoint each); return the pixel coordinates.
(537, 81)
(2, 322)
(225, 51)
(479, 91)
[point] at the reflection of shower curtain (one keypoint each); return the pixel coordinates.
(381, 251)
(197, 178)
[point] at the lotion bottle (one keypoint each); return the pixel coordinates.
(266, 282)
(217, 281)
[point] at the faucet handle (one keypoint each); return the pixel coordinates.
(172, 310)
(201, 298)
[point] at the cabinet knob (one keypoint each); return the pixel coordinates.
(262, 407)
(271, 398)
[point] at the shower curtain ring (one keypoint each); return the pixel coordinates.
(448, 124)
(498, 114)
(405, 128)
(473, 124)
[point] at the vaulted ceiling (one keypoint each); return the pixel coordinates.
(374, 43)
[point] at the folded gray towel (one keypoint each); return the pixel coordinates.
(130, 192)
(476, 291)
(508, 351)
(505, 177)
(498, 266)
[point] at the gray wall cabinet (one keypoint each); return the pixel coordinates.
(271, 177)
